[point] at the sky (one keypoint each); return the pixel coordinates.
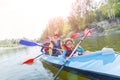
(28, 18)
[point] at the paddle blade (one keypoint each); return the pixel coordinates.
(87, 32)
(28, 43)
(74, 35)
(29, 61)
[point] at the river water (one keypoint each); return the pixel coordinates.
(94, 43)
(11, 67)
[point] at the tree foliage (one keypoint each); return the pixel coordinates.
(111, 9)
(83, 14)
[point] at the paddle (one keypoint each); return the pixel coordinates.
(87, 32)
(30, 43)
(29, 61)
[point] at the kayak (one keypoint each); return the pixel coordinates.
(98, 65)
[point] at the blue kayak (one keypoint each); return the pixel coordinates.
(99, 65)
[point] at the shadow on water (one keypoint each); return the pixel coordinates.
(63, 75)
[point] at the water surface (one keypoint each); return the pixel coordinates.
(11, 67)
(94, 43)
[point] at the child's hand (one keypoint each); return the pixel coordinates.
(79, 46)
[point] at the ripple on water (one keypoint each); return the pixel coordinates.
(11, 67)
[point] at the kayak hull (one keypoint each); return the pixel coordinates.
(77, 64)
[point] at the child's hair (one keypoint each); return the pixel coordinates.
(57, 35)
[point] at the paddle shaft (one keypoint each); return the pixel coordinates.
(76, 47)
(38, 55)
(81, 40)
(29, 43)
(57, 74)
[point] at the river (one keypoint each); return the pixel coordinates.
(94, 43)
(11, 67)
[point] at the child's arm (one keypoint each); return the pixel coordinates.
(80, 50)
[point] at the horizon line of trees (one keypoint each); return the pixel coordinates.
(14, 42)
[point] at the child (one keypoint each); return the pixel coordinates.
(69, 47)
(45, 47)
(55, 44)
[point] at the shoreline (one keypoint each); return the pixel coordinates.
(16, 47)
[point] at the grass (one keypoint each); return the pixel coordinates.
(117, 27)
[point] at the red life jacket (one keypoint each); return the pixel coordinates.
(46, 49)
(68, 51)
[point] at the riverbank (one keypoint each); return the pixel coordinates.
(106, 27)
(102, 28)
(16, 47)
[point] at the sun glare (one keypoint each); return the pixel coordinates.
(28, 18)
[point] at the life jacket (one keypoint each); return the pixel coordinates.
(58, 45)
(45, 48)
(54, 45)
(68, 51)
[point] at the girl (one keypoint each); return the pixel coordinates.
(46, 44)
(55, 44)
(69, 47)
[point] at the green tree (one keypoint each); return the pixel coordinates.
(82, 14)
(111, 9)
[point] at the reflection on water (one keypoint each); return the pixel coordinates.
(97, 43)
(63, 75)
(11, 67)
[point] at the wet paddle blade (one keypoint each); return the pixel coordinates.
(29, 61)
(74, 35)
(28, 43)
